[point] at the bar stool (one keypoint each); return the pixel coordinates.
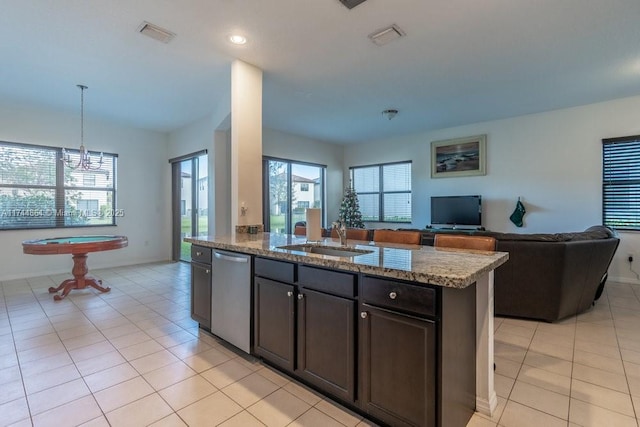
(458, 241)
(353, 234)
(397, 236)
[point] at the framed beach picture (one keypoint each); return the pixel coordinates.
(459, 157)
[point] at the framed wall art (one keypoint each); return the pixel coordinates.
(459, 157)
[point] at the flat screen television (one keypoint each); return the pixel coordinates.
(464, 211)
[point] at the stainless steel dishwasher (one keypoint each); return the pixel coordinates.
(231, 298)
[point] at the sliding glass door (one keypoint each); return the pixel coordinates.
(290, 188)
(190, 201)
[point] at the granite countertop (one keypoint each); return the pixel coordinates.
(452, 268)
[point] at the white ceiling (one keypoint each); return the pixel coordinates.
(462, 61)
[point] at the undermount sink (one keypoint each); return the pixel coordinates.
(339, 251)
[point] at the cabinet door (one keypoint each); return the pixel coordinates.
(201, 294)
(326, 342)
(274, 322)
(397, 367)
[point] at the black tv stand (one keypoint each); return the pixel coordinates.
(454, 228)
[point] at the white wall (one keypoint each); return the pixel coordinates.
(552, 160)
(293, 147)
(143, 180)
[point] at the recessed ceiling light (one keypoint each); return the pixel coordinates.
(237, 39)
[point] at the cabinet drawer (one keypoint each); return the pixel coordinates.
(277, 270)
(200, 254)
(399, 296)
(332, 282)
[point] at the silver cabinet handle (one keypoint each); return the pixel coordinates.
(393, 295)
(207, 271)
(363, 315)
(289, 294)
(198, 253)
(300, 296)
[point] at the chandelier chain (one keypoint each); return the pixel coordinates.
(85, 162)
(82, 88)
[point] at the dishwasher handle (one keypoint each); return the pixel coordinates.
(230, 258)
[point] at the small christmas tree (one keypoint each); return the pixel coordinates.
(350, 210)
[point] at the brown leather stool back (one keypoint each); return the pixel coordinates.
(480, 243)
(397, 236)
(353, 234)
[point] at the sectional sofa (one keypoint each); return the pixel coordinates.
(549, 276)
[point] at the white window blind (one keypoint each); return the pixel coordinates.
(384, 191)
(621, 182)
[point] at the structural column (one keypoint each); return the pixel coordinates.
(246, 144)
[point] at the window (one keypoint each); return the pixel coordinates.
(38, 191)
(89, 208)
(88, 180)
(621, 182)
(290, 188)
(384, 191)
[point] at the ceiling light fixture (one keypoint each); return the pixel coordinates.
(237, 39)
(82, 160)
(390, 114)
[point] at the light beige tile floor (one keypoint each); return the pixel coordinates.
(134, 357)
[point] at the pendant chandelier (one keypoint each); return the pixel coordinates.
(84, 162)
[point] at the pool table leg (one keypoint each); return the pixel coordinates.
(80, 279)
(66, 287)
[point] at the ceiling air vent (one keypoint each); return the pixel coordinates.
(386, 35)
(350, 4)
(155, 32)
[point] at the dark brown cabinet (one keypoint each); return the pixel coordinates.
(326, 342)
(304, 327)
(397, 367)
(274, 322)
(201, 285)
(401, 352)
(416, 353)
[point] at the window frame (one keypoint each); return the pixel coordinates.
(60, 189)
(381, 193)
(621, 182)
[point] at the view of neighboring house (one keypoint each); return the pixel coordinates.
(305, 193)
(186, 194)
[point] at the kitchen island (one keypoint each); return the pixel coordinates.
(402, 333)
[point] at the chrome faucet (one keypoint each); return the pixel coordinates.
(341, 229)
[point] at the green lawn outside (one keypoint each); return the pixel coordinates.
(185, 230)
(276, 223)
